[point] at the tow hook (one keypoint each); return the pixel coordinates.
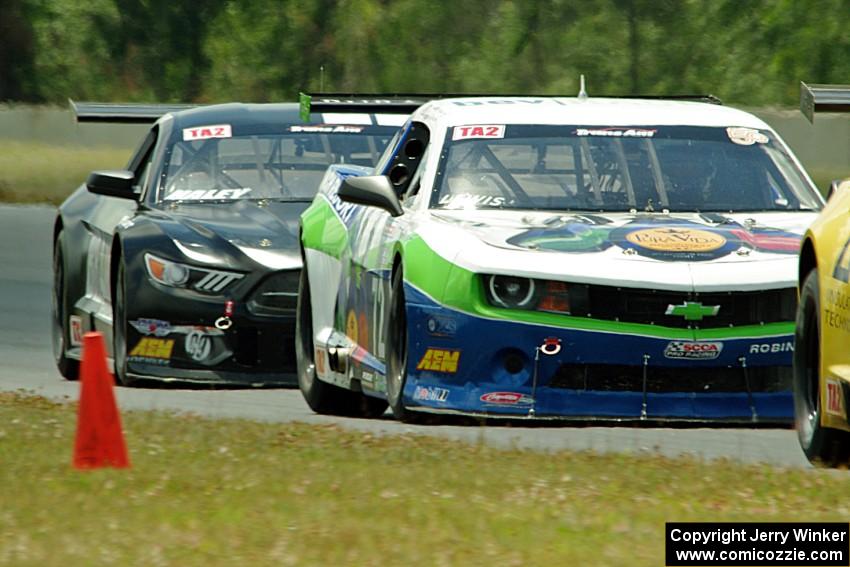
(225, 322)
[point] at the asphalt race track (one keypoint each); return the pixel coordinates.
(26, 363)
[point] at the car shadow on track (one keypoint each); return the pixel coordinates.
(143, 383)
(467, 421)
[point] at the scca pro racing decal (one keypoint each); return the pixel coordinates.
(155, 327)
(693, 350)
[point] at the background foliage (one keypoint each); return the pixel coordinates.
(750, 52)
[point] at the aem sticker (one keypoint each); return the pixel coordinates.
(431, 394)
(673, 239)
(506, 399)
(478, 131)
(439, 360)
(693, 350)
(746, 136)
(75, 330)
(152, 350)
(207, 132)
(834, 399)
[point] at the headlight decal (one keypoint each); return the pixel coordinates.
(176, 274)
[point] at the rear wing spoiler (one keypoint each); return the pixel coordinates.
(407, 103)
(361, 103)
(128, 113)
(823, 98)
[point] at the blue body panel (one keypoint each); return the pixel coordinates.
(476, 381)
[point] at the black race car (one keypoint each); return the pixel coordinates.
(187, 260)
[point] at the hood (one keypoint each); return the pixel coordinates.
(263, 232)
(665, 251)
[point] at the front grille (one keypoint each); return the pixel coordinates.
(271, 349)
(276, 295)
(623, 378)
(649, 306)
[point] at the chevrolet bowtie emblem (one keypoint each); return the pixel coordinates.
(692, 310)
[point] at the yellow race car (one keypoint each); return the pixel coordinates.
(822, 341)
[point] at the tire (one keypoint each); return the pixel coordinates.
(119, 327)
(397, 344)
(60, 311)
(823, 446)
(323, 398)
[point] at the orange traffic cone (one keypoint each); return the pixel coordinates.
(100, 441)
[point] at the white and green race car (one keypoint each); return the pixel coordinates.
(558, 258)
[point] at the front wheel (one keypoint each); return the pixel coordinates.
(397, 352)
(68, 367)
(823, 446)
(322, 397)
(119, 327)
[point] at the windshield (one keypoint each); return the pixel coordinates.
(286, 166)
(644, 168)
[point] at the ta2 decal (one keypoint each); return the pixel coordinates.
(693, 350)
(207, 132)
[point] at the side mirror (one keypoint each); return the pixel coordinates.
(833, 188)
(113, 183)
(372, 191)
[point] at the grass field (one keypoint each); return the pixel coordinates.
(32, 172)
(205, 492)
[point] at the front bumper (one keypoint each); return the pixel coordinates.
(467, 364)
(172, 336)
